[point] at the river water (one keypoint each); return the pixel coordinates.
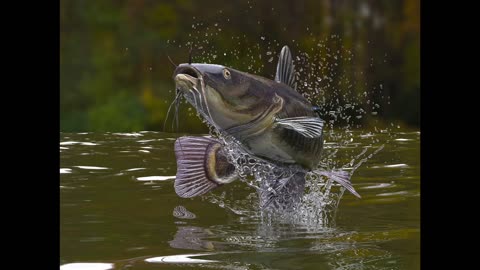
(118, 210)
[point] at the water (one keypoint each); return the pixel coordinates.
(119, 209)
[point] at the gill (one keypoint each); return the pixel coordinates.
(207, 107)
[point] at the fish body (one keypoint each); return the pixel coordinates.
(269, 119)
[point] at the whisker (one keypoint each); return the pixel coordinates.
(202, 83)
(169, 108)
(170, 59)
(190, 54)
(177, 105)
(199, 106)
(194, 99)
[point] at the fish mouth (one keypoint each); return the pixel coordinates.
(189, 82)
(187, 77)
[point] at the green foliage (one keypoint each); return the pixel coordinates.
(115, 76)
(122, 112)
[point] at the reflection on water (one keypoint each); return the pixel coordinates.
(119, 209)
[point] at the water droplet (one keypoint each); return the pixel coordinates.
(269, 53)
(262, 38)
(270, 60)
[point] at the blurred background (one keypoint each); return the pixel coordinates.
(115, 74)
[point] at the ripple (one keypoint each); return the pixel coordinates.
(81, 143)
(391, 166)
(87, 266)
(381, 185)
(182, 213)
(180, 259)
(135, 169)
(393, 193)
(134, 134)
(92, 168)
(144, 141)
(403, 140)
(368, 135)
(65, 170)
(155, 178)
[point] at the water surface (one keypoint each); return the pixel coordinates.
(118, 210)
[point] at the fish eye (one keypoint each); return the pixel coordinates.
(226, 74)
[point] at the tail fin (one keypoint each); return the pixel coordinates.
(201, 166)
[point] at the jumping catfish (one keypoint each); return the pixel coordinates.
(269, 118)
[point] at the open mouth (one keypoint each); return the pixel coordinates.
(187, 79)
(187, 70)
(187, 82)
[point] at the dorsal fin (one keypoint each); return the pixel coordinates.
(285, 69)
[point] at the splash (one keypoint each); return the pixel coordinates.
(344, 100)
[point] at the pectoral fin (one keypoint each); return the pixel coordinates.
(310, 127)
(343, 178)
(201, 166)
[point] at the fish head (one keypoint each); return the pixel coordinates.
(225, 97)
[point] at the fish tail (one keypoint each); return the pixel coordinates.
(201, 166)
